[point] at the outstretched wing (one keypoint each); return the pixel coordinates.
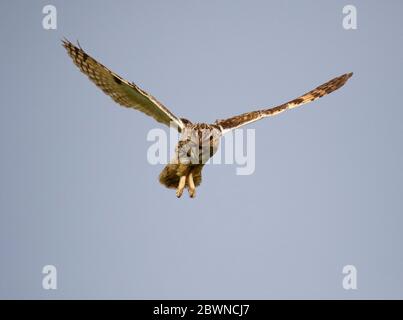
(249, 117)
(121, 91)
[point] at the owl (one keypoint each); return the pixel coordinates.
(198, 142)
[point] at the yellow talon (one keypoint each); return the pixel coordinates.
(191, 185)
(181, 186)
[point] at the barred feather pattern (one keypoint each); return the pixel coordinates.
(249, 117)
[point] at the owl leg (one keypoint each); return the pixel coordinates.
(191, 185)
(181, 186)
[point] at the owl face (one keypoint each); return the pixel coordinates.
(198, 144)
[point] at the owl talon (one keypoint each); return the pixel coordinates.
(181, 186)
(191, 185)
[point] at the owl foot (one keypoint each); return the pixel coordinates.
(181, 186)
(192, 193)
(191, 185)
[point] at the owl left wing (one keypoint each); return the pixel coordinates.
(120, 90)
(249, 117)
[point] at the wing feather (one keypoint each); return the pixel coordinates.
(120, 90)
(249, 117)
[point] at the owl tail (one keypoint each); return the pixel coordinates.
(172, 172)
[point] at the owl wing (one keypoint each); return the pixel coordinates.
(249, 117)
(121, 91)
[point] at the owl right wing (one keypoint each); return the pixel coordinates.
(249, 117)
(120, 90)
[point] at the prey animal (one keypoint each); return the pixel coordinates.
(198, 141)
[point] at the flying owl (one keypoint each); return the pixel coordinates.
(198, 141)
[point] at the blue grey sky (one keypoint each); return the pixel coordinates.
(77, 192)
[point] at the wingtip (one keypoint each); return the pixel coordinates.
(65, 42)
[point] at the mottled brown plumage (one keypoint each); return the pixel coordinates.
(198, 142)
(249, 117)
